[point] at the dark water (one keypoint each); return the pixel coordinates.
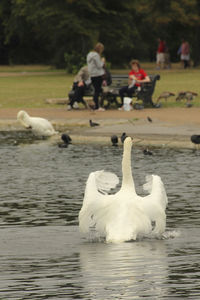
(42, 254)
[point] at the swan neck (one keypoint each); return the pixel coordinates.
(127, 178)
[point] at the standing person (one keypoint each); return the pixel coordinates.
(160, 55)
(184, 51)
(96, 70)
(81, 82)
(136, 77)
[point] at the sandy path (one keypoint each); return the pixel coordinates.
(186, 116)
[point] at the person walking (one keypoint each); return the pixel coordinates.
(96, 71)
(160, 55)
(184, 51)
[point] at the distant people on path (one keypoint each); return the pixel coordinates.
(96, 71)
(184, 52)
(160, 55)
(136, 77)
(81, 82)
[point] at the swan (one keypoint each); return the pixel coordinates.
(39, 126)
(123, 216)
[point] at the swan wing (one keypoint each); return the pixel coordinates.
(155, 203)
(95, 197)
(155, 187)
(105, 181)
(41, 126)
(98, 183)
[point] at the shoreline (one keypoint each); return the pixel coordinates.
(170, 127)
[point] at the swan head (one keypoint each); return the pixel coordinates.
(128, 143)
(23, 118)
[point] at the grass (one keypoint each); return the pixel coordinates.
(29, 86)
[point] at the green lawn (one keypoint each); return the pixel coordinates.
(29, 86)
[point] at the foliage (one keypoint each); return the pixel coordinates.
(41, 31)
(74, 61)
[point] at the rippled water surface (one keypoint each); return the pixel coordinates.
(42, 254)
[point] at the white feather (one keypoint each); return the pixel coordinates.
(124, 215)
(105, 181)
(39, 126)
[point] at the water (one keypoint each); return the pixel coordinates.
(43, 255)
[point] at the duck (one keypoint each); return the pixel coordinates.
(124, 215)
(114, 140)
(66, 139)
(123, 137)
(146, 151)
(195, 139)
(39, 126)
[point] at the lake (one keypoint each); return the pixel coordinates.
(42, 253)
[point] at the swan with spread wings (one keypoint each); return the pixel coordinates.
(123, 216)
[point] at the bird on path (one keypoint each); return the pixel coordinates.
(39, 126)
(123, 137)
(93, 124)
(114, 140)
(66, 139)
(149, 119)
(123, 216)
(165, 95)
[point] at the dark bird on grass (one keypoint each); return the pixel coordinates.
(165, 95)
(147, 152)
(189, 105)
(93, 124)
(149, 119)
(187, 95)
(66, 141)
(123, 137)
(114, 140)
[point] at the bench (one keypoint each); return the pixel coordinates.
(144, 92)
(111, 93)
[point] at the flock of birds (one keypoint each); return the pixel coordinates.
(122, 216)
(183, 95)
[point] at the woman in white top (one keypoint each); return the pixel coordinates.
(96, 70)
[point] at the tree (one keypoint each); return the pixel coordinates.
(43, 31)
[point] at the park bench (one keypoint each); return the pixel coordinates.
(111, 93)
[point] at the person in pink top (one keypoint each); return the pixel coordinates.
(136, 77)
(184, 51)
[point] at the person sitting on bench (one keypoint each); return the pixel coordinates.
(136, 77)
(81, 82)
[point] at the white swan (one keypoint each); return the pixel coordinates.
(39, 126)
(123, 216)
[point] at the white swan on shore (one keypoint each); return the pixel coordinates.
(123, 216)
(39, 126)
